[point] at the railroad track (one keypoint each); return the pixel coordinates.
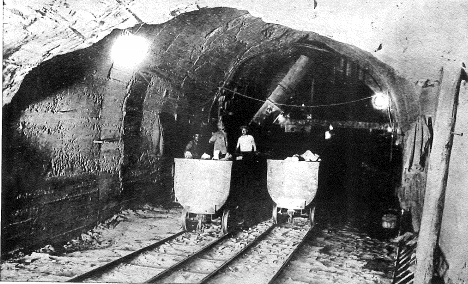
(257, 255)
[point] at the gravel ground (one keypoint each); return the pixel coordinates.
(124, 233)
(342, 254)
(335, 254)
(265, 258)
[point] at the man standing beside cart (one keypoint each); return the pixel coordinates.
(193, 149)
(247, 173)
(219, 139)
(246, 145)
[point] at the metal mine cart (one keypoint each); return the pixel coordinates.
(292, 185)
(202, 188)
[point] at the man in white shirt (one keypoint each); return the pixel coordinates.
(246, 144)
(246, 169)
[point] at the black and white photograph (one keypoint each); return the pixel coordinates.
(246, 141)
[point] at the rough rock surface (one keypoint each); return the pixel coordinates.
(398, 33)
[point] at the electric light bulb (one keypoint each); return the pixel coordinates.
(129, 50)
(380, 101)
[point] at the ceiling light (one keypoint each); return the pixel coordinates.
(380, 101)
(129, 50)
(329, 132)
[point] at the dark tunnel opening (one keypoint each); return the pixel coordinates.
(360, 167)
(358, 176)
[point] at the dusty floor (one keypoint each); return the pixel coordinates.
(122, 234)
(340, 254)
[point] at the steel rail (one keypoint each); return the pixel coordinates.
(291, 254)
(169, 270)
(126, 258)
(230, 260)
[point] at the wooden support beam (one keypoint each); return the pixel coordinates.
(437, 174)
(284, 90)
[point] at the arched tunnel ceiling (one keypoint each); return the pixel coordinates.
(331, 89)
(35, 32)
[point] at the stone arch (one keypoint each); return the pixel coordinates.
(378, 76)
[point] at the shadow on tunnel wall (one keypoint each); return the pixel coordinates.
(54, 187)
(43, 195)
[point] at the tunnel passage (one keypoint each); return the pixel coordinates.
(333, 88)
(99, 138)
(360, 165)
(358, 175)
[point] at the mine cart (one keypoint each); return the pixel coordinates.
(292, 185)
(202, 188)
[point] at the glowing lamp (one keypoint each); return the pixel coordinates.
(129, 50)
(329, 134)
(380, 101)
(389, 221)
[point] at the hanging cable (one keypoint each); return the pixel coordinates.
(299, 106)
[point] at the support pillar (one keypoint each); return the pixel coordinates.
(437, 175)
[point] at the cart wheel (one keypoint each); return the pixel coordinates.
(275, 214)
(224, 221)
(311, 216)
(184, 219)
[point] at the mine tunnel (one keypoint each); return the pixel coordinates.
(87, 135)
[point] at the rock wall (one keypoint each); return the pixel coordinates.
(50, 163)
(54, 153)
(415, 37)
(64, 148)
